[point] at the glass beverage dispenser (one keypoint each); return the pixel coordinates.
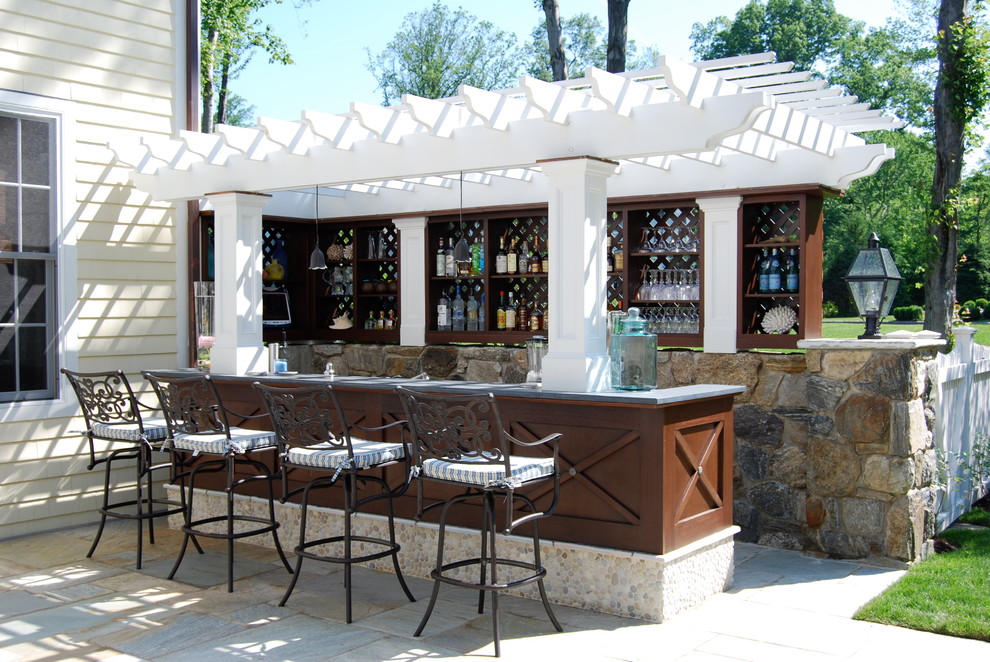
(633, 354)
(536, 349)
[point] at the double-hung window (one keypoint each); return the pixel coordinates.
(28, 352)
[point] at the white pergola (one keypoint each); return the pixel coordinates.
(717, 126)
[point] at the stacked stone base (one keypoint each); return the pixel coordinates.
(610, 581)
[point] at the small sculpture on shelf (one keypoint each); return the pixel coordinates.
(779, 320)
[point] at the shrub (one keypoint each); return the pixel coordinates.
(830, 309)
(909, 313)
(968, 310)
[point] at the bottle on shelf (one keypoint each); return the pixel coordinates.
(609, 257)
(545, 261)
(791, 279)
(618, 257)
(481, 314)
(500, 313)
(457, 311)
(764, 273)
(443, 312)
(522, 316)
(472, 313)
(535, 318)
(512, 259)
(380, 322)
(501, 258)
(450, 268)
(774, 278)
(510, 314)
(390, 320)
(441, 260)
(476, 255)
(369, 324)
(546, 318)
(523, 260)
(536, 260)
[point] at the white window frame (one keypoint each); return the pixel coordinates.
(67, 355)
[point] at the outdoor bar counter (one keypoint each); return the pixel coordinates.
(644, 471)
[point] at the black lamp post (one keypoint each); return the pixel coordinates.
(873, 280)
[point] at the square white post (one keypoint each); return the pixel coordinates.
(721, 272)
(577, 359)
(412, 280)
(239, 347)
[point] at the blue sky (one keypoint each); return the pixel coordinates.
(329, 40)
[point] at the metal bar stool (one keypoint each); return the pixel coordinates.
(459, 440)
(314, 435)
(113, 415)
(198, 424)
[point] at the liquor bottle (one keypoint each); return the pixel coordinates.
(522, 316)
(618, 257)
(501, 258)
(457, 312)
(764, 273)
(500, 313)
(443, 313)
(481, 314)
(441, 260)
(450, 268)
(476, 250)
(481, 257)
(545, 266)
(535, 319)
(524, 258)
(774, 282)
(792, 281)
(369, 324)
(536, 260)
(546, 317)
(472, 313)
(380, 322)
(390, 320)
(512, 259)
(510, 314)
(609, 257)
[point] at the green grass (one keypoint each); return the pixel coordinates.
(946, 594)
(976, 516)
(853, 327)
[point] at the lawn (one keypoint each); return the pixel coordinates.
(853, 326)
(946, 594)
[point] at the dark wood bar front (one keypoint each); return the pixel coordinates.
(645, 471)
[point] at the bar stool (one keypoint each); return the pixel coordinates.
(113, 415)
(460, 440)
(314, 435)
(198, 424)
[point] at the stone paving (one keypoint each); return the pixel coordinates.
(55, 604)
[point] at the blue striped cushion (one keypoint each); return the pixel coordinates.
(366, 454)
(155, 429)
(242, 440)
(484, 474)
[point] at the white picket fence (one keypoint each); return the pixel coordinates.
(962, 426)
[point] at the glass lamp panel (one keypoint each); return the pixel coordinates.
(868, 263)
(868, 295)
(889, 292)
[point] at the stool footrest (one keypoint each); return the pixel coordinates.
(388, 549)
(192, 527)
(174, 508)
(438, 574)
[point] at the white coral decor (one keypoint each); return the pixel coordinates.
(778, 320)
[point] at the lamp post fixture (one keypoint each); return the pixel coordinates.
(873, 280)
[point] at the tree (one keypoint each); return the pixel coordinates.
(555, 39)
(961, 95)
(228, 32)
(618, 21)
(439, 49)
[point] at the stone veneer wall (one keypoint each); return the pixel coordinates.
(833, 450)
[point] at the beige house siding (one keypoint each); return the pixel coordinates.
(112, 67)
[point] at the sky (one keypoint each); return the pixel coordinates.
(329, 41)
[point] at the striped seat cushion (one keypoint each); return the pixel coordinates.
(485, 474)
(155, 429)
(241, 440)
(366, 454)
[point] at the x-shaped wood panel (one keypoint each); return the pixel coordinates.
(697, 479)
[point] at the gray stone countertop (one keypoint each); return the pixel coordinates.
(655, 397)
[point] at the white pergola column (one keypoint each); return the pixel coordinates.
(412, 279)
(237, 295)
(721, 272)
(577, 359)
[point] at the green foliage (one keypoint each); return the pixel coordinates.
(968, 46)
(946, 593)
(439, 49)
(908, 313)
(830, 309)
(981, 303)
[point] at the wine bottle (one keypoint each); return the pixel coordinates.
(536, 260)
(609, 258)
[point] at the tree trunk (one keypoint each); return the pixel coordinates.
(222, 93)
(940, 274)
(555, 37)
(206, 72)
(618, 19)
